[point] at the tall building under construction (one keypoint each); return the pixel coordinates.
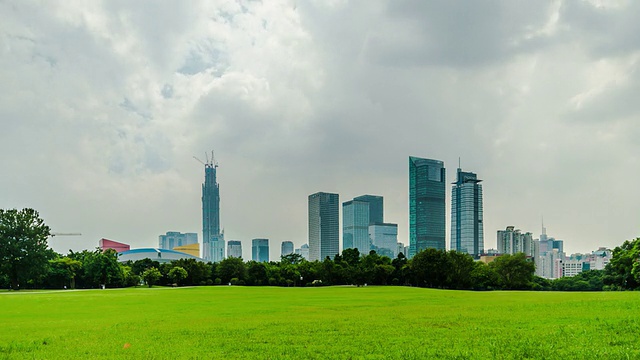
(213, 248)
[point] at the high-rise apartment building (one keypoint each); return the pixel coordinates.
(513, 241)
(427, 215)
(286, 248)
(234, 248)
(467, 233)
(260, 250)
(174, 239)
(212, 237)
(355, 226)
(324, 228)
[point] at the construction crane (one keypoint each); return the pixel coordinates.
(210, 162)
(63, 234)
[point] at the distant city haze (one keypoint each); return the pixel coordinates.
(104, 105)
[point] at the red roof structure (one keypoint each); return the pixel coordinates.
(105, 244)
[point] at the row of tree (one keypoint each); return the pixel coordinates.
(27, 261)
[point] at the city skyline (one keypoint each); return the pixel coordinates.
(100, 121)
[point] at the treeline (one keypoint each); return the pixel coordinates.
(26, 261)
(430, 268)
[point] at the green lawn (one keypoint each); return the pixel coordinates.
(317, 323)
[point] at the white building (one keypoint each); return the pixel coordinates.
(512, 241)
(174, 239)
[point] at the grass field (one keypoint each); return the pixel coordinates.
(318, 323)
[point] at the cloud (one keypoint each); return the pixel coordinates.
(106, 103)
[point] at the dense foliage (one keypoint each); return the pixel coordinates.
(27, 262)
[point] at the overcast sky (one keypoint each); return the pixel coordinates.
(104, 103)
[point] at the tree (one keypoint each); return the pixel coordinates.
(177, 274)
(151, 276)
(623, 271)
(429, 268)
(514, 272)
(65, 270)
(231, 267)
(461, 266)
(24, 253)
(102, 268)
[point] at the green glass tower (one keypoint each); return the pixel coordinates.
(426, 205)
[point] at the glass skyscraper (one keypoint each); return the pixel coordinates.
(376, 207)
(286, 248)
(212, 238)
(260, 250)
(324, 228)
(427, 215)
(234, 248)
(467, 234)
(355, 226)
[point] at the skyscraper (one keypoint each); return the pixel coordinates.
(324, 228)
(286, 248)
(376, 207)
(384, 239)
(234, 248)
(212, 237)
(260, 250)
(355, 226)
(467, 233)
(426, 205)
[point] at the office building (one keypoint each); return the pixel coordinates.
(426, 205)
(324, 228)
(260, 250)
(234, 248)
(355, 226)
(303, 251)
(174, 239)
(213, 248)
(286, 248)
(376, 207)
(384, 239)
(467, 233)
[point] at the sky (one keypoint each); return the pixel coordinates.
(103, 105)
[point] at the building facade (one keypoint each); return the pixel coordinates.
(286, 248)
(513, 241)
(303, 251)
(213, 248)
(467, 233)
(376, 207)
(384, 239)
(234, 248)
(426, 205)
(174, 239)
(260, 250)
(191, 249)
(355, 226)
(324, 227)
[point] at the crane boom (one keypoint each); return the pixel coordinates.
(63, 234)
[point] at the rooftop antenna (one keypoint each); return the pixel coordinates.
(459, 163)
(544, 231)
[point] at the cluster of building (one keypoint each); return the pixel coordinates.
(364, 227)
(547, 253)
